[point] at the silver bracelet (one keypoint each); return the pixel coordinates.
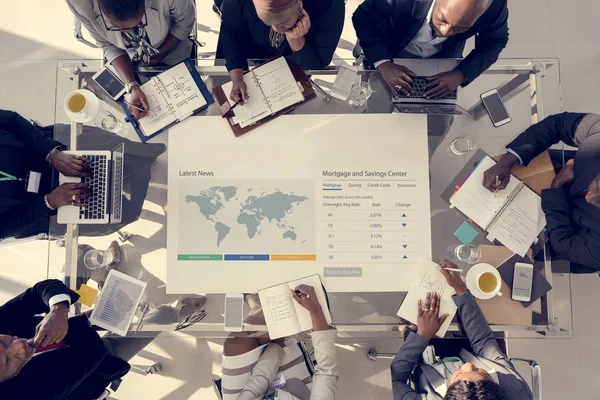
(51, 153)
(47, 203)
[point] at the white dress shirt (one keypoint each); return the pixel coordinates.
(59, 298)
(425, 44)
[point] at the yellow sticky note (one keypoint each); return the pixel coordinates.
(87, 295)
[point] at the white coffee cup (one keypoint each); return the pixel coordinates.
(81, 105)
(474, 281)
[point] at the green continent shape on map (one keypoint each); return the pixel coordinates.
(210, 201)
(272, 206)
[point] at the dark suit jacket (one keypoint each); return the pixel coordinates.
(16, 133)
(385, 27)
(573, 224)
(56, 374)
(487, 356)
(244, 36)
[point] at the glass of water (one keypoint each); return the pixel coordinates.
(360, 93)
(109, 122)
(462, 145)
(469, 253)
(95, 259)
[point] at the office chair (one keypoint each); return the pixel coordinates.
(308, 361)
(536, 371)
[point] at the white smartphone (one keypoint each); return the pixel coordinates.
(110, 83)
(343, 82)
(234, 312)
(495, 107)
(522, 280)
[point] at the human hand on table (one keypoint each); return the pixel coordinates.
(398, 77)
(69, 164)
(428, 316)
(239, 90)
(453, 278)
(68, 194)
(498, 176)
(444, 83)
(138, 98)
(308, 298)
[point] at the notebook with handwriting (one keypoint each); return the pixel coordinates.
(173, 95)
(513, 216)
(283, 315)
(428, 278)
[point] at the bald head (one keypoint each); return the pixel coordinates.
(450, 17)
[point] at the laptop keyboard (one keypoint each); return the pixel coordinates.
(117, 192)
(95, 204)
(418, 86)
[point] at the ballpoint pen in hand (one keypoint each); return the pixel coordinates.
(496, 186)
(134, 106)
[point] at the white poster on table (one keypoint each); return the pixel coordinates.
(342, 196)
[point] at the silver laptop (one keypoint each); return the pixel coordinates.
(105, 204)
(416, 103)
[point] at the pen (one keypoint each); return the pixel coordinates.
(236, 104)
(453, 269)
(319, 89)
(134, 106)
(300, 294)
(496, 187)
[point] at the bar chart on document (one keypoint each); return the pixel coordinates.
(332, 199)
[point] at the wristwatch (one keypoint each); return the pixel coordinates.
(129, 86)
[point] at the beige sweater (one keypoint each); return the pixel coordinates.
(324, 384)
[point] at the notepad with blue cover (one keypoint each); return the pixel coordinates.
(173, 95)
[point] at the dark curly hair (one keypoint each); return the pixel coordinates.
(123, 10)
(481, 390)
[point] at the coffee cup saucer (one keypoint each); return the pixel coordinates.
(91, 109)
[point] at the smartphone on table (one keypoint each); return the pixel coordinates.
(234, 312)
(522, 281)
(495, 108)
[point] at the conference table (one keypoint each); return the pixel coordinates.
(530, 89)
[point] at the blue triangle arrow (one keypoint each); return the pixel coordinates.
(403, 224)
(403, 215)
(405, 245)
(404, 258)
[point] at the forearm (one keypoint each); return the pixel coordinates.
(124, 68)
(475, 326)
(168, 45)
(14, 222)
(319, 322)
(404, 363)
(13, 123)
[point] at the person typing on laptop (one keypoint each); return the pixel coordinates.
(52, 357)
(389, 29)
(572, 203)
(27, 157)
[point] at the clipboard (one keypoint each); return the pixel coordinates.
(299, 75)
(203, 90)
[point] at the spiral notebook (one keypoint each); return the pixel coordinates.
(513, 216)
(274, 88)
(173, 95)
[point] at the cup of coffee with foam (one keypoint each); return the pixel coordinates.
(484, 281)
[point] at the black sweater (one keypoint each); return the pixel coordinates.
(244, 36)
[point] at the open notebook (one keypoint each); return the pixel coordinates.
(271, 88)
(514, 215)
(283, 315)
(428, 279)
(173, 95)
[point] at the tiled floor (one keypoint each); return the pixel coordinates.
(30, 43)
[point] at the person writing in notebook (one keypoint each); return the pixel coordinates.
(389, 29)
(572, 203)
(481, 374)
(149, 32)
(305, 31)
(267, 356)
(52, 357)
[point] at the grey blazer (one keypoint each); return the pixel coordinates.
(487, 356)
(164, 16)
